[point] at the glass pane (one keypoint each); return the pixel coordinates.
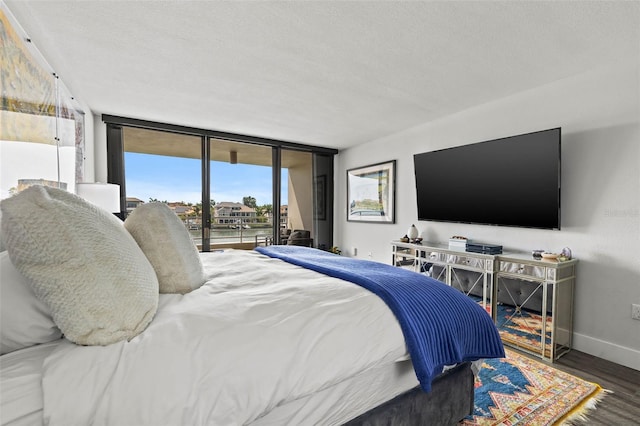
(165, 167)
(296, 213)
(241, 194)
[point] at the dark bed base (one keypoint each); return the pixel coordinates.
(450, 400)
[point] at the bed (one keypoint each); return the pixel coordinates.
(260, 338)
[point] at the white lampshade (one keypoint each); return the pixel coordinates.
(104, 195)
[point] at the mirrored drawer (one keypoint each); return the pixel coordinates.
(523, 269)
(454, 259)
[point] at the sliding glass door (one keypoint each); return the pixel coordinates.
(296, 195)
(228, 190)
(241, 188)
(165, 167)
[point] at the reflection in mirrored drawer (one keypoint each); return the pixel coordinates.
(524, 269)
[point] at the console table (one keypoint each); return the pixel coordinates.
(530, 300)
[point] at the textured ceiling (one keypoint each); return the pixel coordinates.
(324, 73)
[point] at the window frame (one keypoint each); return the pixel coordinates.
(116, 172)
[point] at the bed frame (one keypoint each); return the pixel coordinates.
(450, 400)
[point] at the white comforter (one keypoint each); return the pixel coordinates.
(259, 333)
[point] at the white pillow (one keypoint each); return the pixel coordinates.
(24, 320)
(82, 263)
(167, 244)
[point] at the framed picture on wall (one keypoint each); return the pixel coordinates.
(320, 199)
(371, 193)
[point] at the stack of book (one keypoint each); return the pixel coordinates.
(484, 248)
(458, 243)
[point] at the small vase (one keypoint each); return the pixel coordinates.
(413, 233)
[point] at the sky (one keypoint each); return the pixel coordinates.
(178, 179)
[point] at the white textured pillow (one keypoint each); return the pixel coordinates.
(82, 263)
(24, 319)
(168, 246)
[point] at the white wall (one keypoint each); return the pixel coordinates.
(599, 114)
(100, 148)
(89, 146)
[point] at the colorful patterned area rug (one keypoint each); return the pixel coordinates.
(523, 328)
(518, 390)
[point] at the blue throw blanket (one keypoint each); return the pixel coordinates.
(441, 325)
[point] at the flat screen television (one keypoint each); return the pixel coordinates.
(512, 181)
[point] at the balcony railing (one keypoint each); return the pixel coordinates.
(235, 231)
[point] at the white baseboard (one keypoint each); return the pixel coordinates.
(606, 350)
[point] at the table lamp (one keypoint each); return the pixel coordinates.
(104, 195)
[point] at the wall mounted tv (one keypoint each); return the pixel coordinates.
(512, 181)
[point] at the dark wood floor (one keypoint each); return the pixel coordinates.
(619, 408)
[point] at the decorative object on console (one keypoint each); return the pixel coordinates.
(104, 195)
(566, 253)
(550, 256)
(413, 233)
(458, 243)
(537, 254)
